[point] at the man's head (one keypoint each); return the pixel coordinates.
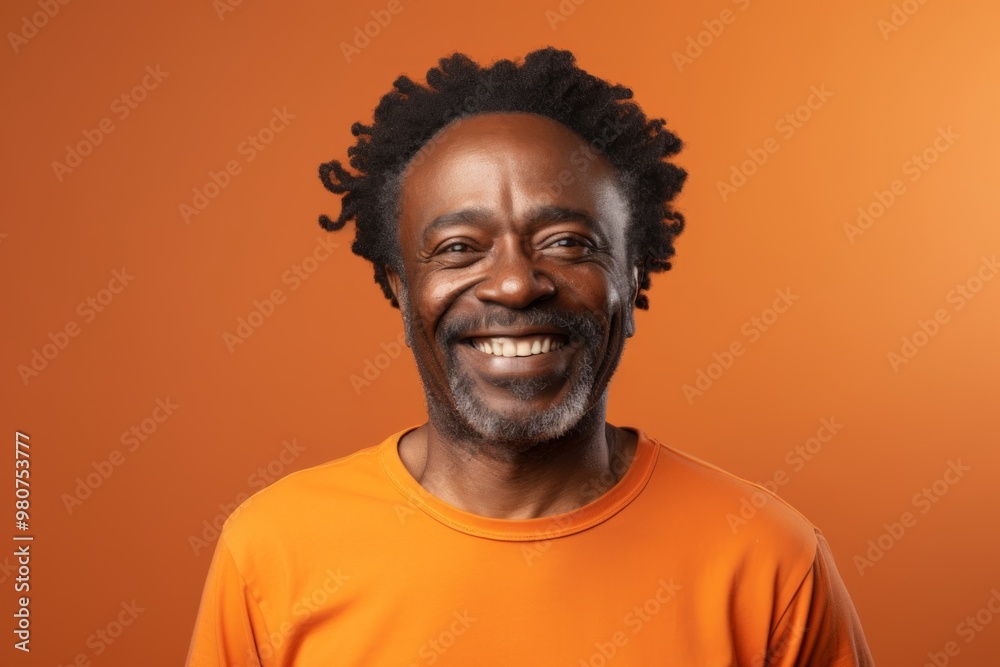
(514, 214)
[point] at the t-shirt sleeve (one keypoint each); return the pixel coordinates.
(228, 618)
(820, 627)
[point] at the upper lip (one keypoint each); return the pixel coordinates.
(513, 332)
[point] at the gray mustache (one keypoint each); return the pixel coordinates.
(580, 327)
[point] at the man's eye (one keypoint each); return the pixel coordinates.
(455, 247)
(570, 242)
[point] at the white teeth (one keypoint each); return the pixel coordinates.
(517, 347)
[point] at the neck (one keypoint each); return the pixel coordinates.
(548, 478)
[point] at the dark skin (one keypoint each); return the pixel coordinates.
(481, 226)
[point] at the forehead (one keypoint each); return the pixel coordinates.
(506, 156)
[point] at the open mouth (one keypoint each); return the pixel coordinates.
(517, 346)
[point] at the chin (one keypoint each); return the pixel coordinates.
(521, 428)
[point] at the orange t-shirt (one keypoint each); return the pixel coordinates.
(354, 563)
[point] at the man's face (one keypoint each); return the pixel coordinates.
(517, 296)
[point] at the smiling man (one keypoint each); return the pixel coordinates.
(515, 214)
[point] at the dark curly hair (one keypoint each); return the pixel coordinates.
(547, 83)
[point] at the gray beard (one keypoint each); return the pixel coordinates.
(511, 431)
(503, 435)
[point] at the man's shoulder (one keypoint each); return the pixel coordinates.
(325, 494)
(728, 508)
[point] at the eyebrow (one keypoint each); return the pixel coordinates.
(538, 214)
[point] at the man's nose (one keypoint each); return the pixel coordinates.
(513, 279)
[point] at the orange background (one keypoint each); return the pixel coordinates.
(162, 335)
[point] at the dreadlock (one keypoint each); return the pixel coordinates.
(547, 83)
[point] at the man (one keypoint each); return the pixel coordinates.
(515, 214)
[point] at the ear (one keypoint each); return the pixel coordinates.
(395, 283)
(398, 289)
(630, 312)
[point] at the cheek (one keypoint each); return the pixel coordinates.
(590, 287)
(437, 293)
(441, 291)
